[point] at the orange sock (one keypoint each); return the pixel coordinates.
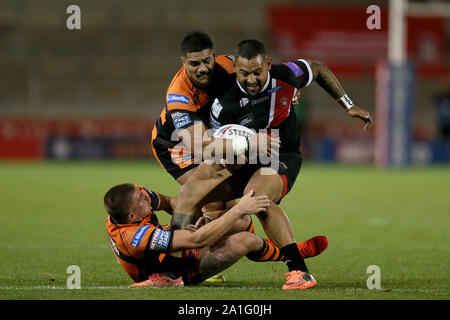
(250, 228)
(268, 252)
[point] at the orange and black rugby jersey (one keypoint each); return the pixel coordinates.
(141, 247)
(185, 104)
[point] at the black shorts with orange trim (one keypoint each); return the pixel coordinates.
(176, 167)
(288, 167)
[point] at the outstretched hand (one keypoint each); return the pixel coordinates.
(357, 112)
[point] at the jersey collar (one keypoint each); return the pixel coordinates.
(264, 87)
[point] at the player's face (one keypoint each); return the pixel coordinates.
(199, 66)
(140, 205)
(252, 74)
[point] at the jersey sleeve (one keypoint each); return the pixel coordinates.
(182, 110)
(297, 73)
(160, 240)
(147, 238)
(136, 238)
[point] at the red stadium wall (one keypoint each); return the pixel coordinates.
(338, 36)
(26, 138)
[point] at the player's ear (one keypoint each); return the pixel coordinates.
(182, 60)
(269, 63)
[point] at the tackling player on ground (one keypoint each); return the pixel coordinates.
(157, 255)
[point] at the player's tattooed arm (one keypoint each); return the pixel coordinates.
(326, 79)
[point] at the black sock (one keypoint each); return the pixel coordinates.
(293, 258)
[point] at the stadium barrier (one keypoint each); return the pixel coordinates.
(93, 138)
(129, 138)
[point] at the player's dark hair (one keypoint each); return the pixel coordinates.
(249, 49)
(117, 201)
(195, 41)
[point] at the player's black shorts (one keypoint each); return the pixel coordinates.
(288, 167)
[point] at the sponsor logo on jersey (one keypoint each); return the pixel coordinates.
(160, 240)
(181, 119)
(243, 102)
(260, 100)
(245, 120)
(277, 88)
(216, 108)
(138, 236)
(171, 98)
(294, 68)
(113, 245)
(284, 101)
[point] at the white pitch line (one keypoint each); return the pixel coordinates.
(215, 288)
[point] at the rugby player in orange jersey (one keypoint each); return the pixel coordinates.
(156, 255)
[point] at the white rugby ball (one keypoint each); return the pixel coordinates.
(229, 131)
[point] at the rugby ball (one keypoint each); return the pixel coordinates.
(230, 131)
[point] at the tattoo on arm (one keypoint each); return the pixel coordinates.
(326, 79)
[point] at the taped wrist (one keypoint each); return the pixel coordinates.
(346, 102)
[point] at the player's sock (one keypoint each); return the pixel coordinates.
(293, 258)
(250, 228)
(268, 252)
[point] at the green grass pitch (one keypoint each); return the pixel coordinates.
(52, 217)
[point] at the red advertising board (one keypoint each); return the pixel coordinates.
(339, 37)
(27, 138)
